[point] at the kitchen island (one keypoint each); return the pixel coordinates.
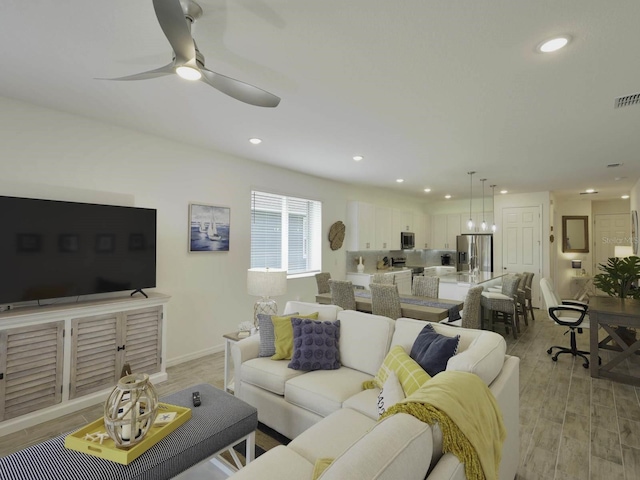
(455, 286)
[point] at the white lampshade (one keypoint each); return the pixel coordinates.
(623, 251)
(266, 282)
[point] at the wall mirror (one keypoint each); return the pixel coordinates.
(575, 234)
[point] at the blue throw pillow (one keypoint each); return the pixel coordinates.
(315, 345)
(432, 350)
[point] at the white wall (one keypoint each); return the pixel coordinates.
(50, 154)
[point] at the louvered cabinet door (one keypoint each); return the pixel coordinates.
(31, 368)
(143, 339)
(96, 344)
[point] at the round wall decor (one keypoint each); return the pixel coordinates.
(336, 235)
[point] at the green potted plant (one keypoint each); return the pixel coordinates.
(620, 277)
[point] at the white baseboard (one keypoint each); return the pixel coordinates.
(194, 355)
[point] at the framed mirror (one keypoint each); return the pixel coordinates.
(575, 234)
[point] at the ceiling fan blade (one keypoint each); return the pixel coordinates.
(174, 25)
(239, 90)
(158, 72)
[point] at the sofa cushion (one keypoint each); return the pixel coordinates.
(325, 312)
(323, 391)
(364, 340)
(267, 374)
(479, 351)
(332, 435)
(365, 402)
(315, 345)
(411, 375)
(397, 447)
(267, 334)
(390, 394)
(284, 335)
(432, 350)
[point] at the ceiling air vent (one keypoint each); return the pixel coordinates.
(627, 100)
(588, 193)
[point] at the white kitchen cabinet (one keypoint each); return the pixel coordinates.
(422, 226)
(477, 222)
(359, 279)
(383, 228)
(361, 230)
(444, 230)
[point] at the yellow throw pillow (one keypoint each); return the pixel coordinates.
(320, 466)
(411, 375)
(283, 331)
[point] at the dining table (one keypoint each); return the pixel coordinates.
(413, 306)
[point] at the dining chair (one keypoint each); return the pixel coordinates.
(342, 294)
(527, 293)
(382, 278)
(385, 300)
(503, 305)
(426, 286)
(322, 280)
(470, 314)
(522, 301)
(569, 314)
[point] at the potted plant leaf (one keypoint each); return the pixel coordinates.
(620, 277)
(620, 280)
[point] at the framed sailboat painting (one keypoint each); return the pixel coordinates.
(208, 228)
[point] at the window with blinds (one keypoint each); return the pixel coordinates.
(285, 233)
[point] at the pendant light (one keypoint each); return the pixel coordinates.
(470, 222)
(483, 225)
(493, 204)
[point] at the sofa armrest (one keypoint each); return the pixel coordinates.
(447, 468)
(241, 351)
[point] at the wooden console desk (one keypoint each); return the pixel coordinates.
(609, 312)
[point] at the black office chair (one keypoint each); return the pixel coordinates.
(569, 314)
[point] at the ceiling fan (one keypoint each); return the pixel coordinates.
(175, 18)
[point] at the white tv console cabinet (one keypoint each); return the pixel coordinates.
(57, 359)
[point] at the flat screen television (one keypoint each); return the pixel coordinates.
(54, 249)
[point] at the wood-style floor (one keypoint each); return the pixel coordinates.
(571, 426)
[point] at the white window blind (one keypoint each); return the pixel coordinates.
(285, 233)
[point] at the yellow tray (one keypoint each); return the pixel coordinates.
(108, 449)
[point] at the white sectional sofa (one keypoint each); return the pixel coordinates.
(329, 415)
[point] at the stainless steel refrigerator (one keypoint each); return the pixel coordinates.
(474, 251)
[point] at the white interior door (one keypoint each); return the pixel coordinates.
(610, 230)
(521, 244)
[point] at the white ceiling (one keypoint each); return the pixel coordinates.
(425, 90)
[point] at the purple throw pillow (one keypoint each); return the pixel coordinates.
(315, 345)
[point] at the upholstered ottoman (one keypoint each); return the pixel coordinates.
(219, 422)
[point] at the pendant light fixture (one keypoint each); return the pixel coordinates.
(493, 204)
(483, 225)
(470, 222)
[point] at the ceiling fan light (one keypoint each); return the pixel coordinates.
(188, 73)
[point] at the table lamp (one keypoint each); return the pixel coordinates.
(266, 283)
(577, 266)
(623, 251)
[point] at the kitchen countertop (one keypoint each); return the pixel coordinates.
(371, 271)
(465, 277)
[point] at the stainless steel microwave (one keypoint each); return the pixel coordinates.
(407, 240)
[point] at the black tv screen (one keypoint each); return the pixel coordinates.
(53, 249)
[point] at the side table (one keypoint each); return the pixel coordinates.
(229, 339)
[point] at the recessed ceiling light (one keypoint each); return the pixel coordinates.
(590, 190)
(625, 196)
(255, 141)
(504, 191)
(447, 197)
(357, 158)
(400, 180)
(554, 44)
(427, 190)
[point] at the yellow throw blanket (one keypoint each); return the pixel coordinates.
(469, 417)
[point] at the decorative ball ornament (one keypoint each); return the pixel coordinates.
(336, 235)
(130, 410)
